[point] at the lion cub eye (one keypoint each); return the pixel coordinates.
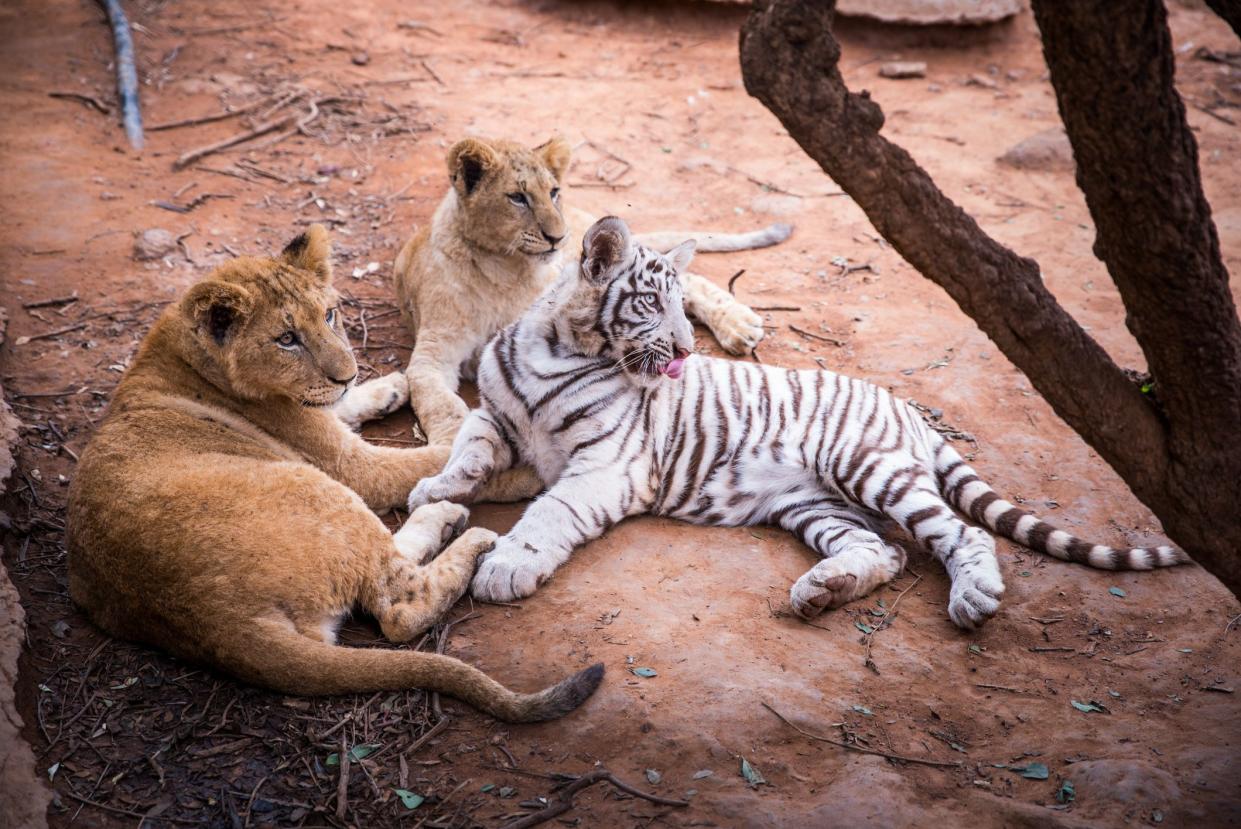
(287, 340)
(330, 317)
(518, 199)
(555, 193)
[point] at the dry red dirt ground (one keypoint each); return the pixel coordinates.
(667, 137)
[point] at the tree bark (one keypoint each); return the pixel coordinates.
(789, 62)
(1230, 11)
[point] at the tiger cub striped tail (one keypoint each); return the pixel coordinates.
(962, 488)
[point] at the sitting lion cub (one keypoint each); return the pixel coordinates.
(494, 244)
(222, 512)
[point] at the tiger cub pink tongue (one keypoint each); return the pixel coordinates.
(674, 368)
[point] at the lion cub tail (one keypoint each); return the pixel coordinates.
(280, 658)
(708, 241)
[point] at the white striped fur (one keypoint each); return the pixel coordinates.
(580, 388)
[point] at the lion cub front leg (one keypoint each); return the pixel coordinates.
(432, 377)
(737, 328)
(418, 594)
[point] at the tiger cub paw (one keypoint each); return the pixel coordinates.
(976, 591)
(828, 585)
(373, 399)
(511, 570)
(737, 328)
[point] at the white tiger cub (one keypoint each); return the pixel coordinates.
(595, 387)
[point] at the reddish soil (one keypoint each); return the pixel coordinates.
(706, 608)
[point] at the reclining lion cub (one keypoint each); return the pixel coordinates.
(494, 244)
(222, 512)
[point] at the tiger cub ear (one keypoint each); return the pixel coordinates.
(605, 245)
(556, 154)
(311, 251)
(681, 255)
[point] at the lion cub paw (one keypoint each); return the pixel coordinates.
(738, 329)
(373, 399)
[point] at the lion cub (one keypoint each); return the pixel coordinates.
(496, 242)
(223, 512)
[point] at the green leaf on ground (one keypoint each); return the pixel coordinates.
(862, 626)
(409, 800)
(653, 777)
(1116, 591)
(1088, 707)
(507, 791)
(646, 673)
(355, 754)
(751, 774)
(863, 710)
(1066, 794)
(487, 788)
(1032, 771)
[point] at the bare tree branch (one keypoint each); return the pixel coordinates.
(789, 61)
(1112, 67)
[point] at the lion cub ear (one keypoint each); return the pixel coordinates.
(217, 307)
(469, 161)
(556, 154)
(310, 251)
(605, 245)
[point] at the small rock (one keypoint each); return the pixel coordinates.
(931, 12)
(360, 58)
(1048, 150)
(155, 243)
(903, 69)
(981, 80)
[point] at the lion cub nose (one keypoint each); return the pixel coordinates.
(344, 382)
(552, 240)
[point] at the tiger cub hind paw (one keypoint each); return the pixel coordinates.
(826, 586)
(975, 597)
(738, 329)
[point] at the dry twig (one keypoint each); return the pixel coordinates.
(858, 748)
(564, 798)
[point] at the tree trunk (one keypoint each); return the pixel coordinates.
(1137, 163)
(1230, 11)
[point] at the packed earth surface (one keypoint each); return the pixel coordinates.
(1091, 699)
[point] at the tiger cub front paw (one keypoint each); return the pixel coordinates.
(738, 328)
(511, 570)
(373, 399)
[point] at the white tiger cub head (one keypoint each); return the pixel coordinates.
(629, 303)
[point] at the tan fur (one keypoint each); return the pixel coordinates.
(222, 512)
(483, 261)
